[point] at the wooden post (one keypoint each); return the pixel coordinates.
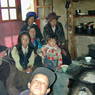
(70, 32)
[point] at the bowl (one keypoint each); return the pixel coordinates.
(64, 68)
(88, 59)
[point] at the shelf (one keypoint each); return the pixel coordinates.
(84, 15)
(92, 35)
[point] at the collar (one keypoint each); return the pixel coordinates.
(53, 28)
(25, 50)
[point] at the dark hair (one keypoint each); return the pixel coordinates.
(19, 45)
(32, 26)
(20, 52)
(20, 36)
(52, 37)
(26, 21)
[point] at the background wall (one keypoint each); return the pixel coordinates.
(9, 32)
(82, 42)
(60, 10)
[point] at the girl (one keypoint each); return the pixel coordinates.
(23, 53)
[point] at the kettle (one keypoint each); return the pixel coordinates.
(90, 29)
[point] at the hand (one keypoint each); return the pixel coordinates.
(44, 50)
(28, 70)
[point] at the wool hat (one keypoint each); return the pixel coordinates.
(45, 71)
(52, 16)
(31, 14)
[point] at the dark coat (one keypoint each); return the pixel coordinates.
(25, 27)
(3, 90)
(59, 32)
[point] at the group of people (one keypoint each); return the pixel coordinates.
(36, 49)
(31, 41)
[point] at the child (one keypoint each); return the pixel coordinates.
(40, 82)
(52, 54)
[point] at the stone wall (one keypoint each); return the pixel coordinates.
(82, 43)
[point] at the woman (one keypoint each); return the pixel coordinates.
(53, 27)
(36, 42)
(23, 53)
(25, 62)
(30, 20)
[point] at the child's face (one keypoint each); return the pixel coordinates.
(52, 42)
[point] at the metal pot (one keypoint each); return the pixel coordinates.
(79, 29)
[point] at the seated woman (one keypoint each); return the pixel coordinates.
(35, 41)
(23, 53)
(25, 60)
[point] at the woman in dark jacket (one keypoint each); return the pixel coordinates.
(26, 60)
(53, 27)
(30, 20)
(23, 52)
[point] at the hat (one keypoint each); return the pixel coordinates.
(52, 16)
(31, 14)
(45, 71)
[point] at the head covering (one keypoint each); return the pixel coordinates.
(52, 16)
(31, 14)
(45, 71)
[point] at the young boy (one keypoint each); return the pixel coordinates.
(41, 80)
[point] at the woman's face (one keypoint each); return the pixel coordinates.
(31, 20)
(53, 22)
(25, 41)
(32, 33)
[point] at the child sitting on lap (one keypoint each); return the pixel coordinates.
(52, 54)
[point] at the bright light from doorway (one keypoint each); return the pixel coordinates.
(26, 6)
